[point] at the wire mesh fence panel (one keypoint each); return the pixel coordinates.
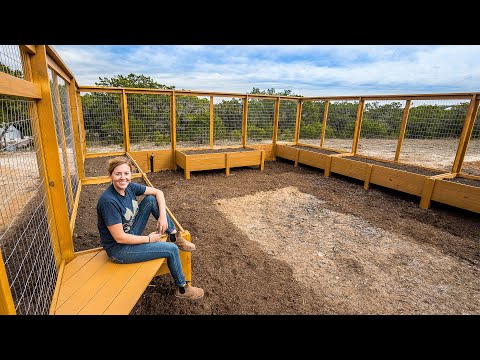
(28, 249)
(340, 125)
(287, 120)
(260, 121)
(471, 162)
(193, 121)
(227, 121)
(13, 62)
(68, 131)
(102, 118)
(62, 149)
(149, 121)
(433, 132)
(311, 122)
(381, 123)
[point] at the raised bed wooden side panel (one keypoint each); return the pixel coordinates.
(181, 159)
(247, 158)
(286, 152)
(460, 195)
(351, 168)
(198, 162)
(267, 148)
(163, 159)
(312, 158)
(410, 183)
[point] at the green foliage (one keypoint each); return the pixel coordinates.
(161, 139)
(219, 130)
(311, 131)
(257, 91)
(329, 133)
(373, 129)
(8, 70)
(137, 130)
(255, 132)
(132, 81)
(235, 134)
(286, 135)
(111, 131)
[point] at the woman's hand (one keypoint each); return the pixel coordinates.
(162, 224)
(157, 237)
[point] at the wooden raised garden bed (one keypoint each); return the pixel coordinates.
(305, 154)
(460, 192)
(457, 190)
(226, 158)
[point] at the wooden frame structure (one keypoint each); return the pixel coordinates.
(437, 187)
(190, 161)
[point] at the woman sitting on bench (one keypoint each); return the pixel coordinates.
(121, 221)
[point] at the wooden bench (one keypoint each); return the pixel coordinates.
(91, 284)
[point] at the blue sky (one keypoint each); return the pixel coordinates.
(308, 70)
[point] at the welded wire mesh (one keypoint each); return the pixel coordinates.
(471, 162)
(149, 121)
(193, 121)
(68, 131)
(61, 142)
(311, 122)
(102, 117)
(433, 132)
(28, 249)
(260, 121)
(381, 123)
(78, 121)
(227, 121)
(11, 62)
(287, 118)
(340, 125)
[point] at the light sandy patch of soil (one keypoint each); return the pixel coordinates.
(347, 261)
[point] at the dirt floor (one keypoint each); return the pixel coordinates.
(289, 240)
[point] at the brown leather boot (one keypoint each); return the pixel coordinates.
(183, 244)
(191, 292)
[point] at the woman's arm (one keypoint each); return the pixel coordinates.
(122, 237)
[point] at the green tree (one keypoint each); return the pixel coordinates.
(148, 114)
(132, 81)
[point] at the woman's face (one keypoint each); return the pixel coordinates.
(121, 177)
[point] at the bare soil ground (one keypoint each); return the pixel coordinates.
(291, 241)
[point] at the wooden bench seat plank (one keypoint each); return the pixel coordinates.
(119, 291)
(126, 300)
(72, 284)
(76, 264)
(80, 298)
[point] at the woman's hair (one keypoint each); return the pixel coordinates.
(116, 161)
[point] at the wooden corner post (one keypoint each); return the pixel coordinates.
(403, 128)
(466, 134)
(358, 125)
(324, 122)
(276, 112)
(244, 121)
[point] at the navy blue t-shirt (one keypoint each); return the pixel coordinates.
(113, 208)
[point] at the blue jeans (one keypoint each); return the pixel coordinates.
(133, 253)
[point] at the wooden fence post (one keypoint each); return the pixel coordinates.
(51, 156)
